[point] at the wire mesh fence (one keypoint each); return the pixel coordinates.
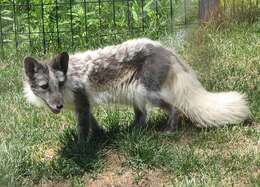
(242, 9)
(236, 10)
(49, 25)
(42, 26)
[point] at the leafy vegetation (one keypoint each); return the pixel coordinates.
(71, 24)
(37, 147)
(241, 10)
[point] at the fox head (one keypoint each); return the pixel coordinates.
(45, 81)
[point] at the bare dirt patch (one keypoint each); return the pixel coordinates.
(256, 125)
(52, 184)
(116, 174)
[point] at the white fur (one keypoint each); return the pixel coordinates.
(30, 96)
(133, 94)
(60, 76)
(182, 88)
(123, 52)
(130, 94)
(205, 108)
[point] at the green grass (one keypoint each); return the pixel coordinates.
(37, 147)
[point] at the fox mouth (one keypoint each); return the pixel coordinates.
(55, 111)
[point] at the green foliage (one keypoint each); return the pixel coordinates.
(37, 147)
(72, 24)
(241, 10)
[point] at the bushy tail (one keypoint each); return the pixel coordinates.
(206, 109)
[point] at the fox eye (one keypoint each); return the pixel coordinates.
(44, 86)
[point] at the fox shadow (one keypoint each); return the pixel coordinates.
(89, 156)
(84, 156)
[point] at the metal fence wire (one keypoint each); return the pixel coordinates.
(236, 10)
(42, 26)
(49, 25)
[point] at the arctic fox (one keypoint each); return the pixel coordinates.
(137, 72)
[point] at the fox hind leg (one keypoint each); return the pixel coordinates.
(172, 122)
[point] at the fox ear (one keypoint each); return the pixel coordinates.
(31, 66)
(60, 62)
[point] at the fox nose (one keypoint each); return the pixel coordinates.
(59, 106)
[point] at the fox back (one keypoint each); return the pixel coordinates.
(135, 72)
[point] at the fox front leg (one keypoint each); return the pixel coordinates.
(83, 115)
(140, 120)
(87, 125)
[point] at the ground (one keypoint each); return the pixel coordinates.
(37, 148)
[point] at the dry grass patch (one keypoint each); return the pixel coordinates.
(117, 174)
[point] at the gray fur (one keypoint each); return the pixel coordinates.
(47, 80)
(86, 121)
(133, 73)
(155, 69)
(140, 117)
(136, 72)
